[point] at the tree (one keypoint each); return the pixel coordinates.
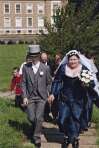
(76, 26)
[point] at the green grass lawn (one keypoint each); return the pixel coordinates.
(14, 126)
(10, 56)
(96, 121)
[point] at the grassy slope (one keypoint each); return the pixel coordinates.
(13, 126)
(96, 120)
(10, 56)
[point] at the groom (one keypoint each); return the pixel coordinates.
(36, 84)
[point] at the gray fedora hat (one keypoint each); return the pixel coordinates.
(33, 50)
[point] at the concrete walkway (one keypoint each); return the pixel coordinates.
(51, 138)
(7, 94)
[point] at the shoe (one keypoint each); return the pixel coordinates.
(89, 124)
(81, 132)
(65, 144)
(75, 143)
(37, 145)
(86, 129)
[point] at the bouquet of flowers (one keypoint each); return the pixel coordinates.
(86, 77)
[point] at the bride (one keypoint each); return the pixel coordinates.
(73, 99)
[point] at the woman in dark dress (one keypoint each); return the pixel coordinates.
(72, 99)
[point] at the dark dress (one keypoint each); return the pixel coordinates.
(72, 103)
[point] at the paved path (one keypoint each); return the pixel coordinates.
(7, 94)
(53, 139)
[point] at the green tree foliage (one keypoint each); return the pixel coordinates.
(75, 26)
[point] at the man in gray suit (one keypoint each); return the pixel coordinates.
(36, 86)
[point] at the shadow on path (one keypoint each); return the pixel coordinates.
(53, 135)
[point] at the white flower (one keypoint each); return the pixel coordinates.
(83, 79)
(83, 74)
(85, 71)
(87, 76)
(87, 81)
(41, 73)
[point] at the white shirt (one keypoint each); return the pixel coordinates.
(21, 67)
(35, 67)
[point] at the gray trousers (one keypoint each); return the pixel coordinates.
(35, 112)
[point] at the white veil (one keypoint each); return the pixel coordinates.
(83, 60)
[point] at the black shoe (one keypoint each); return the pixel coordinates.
(81, 132)
(75, 143)
(37, 145)
(65, 144)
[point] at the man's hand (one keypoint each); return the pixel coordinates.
(51, 99)
(25, 102)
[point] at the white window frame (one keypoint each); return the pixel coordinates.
(9, 22)
(38, 8)
(27, 8)
(38, 22)
(4, 8)
(28, 23)
(20, 8)
(16, 22)
(52, 13)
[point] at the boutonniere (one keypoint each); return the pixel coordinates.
(41, 73)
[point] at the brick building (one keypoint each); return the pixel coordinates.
(26, 17)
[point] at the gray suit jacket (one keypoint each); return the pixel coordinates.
(44, 81)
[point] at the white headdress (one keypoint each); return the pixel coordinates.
(83, 60)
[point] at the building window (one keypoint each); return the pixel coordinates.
(40, 21)
(18, 22)
(7, 8)
(18, 31)
(29, 22)
(40, 8)
(29, 8)
(7, 22)
(7, 31)
(54, 6)
(30, 31)
(18, 8)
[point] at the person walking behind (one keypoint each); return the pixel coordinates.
(47, 111)
(15, 87)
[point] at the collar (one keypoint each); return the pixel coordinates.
(36, 65)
